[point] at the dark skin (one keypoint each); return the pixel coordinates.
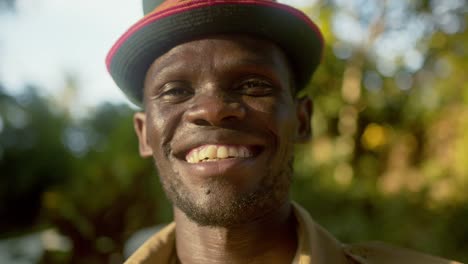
(240, 93)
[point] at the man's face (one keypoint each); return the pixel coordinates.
(220, 122)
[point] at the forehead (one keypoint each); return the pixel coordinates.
(221, 51)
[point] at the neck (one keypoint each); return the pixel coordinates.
(271, 239)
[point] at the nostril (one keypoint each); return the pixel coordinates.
(214, 111)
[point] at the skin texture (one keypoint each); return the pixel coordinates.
(240, 93)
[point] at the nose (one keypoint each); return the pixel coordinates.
(214, 110)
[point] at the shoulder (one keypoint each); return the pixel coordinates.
(381, 253)
(327, 249)
(159, 248)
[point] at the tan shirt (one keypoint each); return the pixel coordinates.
(316, 246)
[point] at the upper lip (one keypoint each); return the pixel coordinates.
(181, 147)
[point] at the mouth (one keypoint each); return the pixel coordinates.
(229, 155)
(218, 152)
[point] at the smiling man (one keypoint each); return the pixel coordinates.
(217, 80)
(221, 127)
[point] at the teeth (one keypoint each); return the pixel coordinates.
(244, 153)
(222, 152)
(216, 152)
(210, 152)
(201, 153)
(232, 151)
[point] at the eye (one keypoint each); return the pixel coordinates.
(255, 87)
(175, 91)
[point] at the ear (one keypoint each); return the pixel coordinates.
(304, 111)
(139, 123)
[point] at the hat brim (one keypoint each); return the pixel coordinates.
(132, 55)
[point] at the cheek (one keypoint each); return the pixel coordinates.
(161, 125)
(277, 115)
(286, 128)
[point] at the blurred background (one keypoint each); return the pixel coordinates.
(388, 161)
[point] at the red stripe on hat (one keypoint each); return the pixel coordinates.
(152, 17)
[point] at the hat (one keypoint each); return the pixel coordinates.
(174, 22)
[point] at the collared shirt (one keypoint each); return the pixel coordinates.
(315, 246)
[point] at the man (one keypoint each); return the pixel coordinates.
(217, 80)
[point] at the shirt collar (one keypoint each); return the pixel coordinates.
(315, 245)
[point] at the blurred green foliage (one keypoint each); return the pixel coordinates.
(389, 158)
(82, 177)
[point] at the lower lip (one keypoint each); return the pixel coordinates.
(219, 168)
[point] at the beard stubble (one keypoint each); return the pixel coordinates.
(216, 209)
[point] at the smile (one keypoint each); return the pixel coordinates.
(211, 153)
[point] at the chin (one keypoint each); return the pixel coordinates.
(219, 204)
